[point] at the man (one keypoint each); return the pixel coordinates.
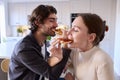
(28, 62)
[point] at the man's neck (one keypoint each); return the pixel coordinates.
(40, 38)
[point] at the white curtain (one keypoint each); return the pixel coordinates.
(2, 21)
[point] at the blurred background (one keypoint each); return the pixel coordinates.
(14, 15)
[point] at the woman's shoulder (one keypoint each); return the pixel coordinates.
(101, 56)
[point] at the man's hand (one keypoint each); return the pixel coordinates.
(56, 50)
(56, 53)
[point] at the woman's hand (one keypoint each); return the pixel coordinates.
(69, 76)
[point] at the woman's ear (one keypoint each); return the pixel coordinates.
(92, 37)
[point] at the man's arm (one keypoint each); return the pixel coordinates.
(58, 68)
(36, 63)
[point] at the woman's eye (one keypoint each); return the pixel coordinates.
(76, 30)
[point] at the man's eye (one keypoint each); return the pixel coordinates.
(51, 20)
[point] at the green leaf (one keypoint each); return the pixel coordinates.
(48, 38)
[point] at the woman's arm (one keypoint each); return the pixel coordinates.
(69, 76)
(58, 68)
(105, 72)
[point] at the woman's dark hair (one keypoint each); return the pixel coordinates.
(95, 25)
(40, 13)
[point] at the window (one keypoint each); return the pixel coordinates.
(2, 21)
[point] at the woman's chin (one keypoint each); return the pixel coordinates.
(71, 45)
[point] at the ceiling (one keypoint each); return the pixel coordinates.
(17, 1)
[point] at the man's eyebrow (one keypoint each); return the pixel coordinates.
(52, 18)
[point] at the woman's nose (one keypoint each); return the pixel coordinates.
(69, 31)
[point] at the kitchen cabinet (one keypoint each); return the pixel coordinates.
(17, 14)
(80, 6)
(63, 12)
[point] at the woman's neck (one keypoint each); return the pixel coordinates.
(86, 48)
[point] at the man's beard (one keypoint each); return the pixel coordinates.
(48, 32)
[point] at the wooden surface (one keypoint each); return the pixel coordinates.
(3, 75)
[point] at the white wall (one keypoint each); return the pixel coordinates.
(117, 41)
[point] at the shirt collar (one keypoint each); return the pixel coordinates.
(34, 40)
(88, 54)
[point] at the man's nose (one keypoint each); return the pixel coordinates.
(55, 24)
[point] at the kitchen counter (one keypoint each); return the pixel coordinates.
(7, 47)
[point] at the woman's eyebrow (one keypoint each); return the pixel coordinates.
(75, 26)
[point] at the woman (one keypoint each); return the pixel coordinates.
(89, 61)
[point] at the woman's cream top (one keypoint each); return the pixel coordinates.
(94, 64)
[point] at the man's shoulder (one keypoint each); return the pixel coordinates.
(24, 43)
